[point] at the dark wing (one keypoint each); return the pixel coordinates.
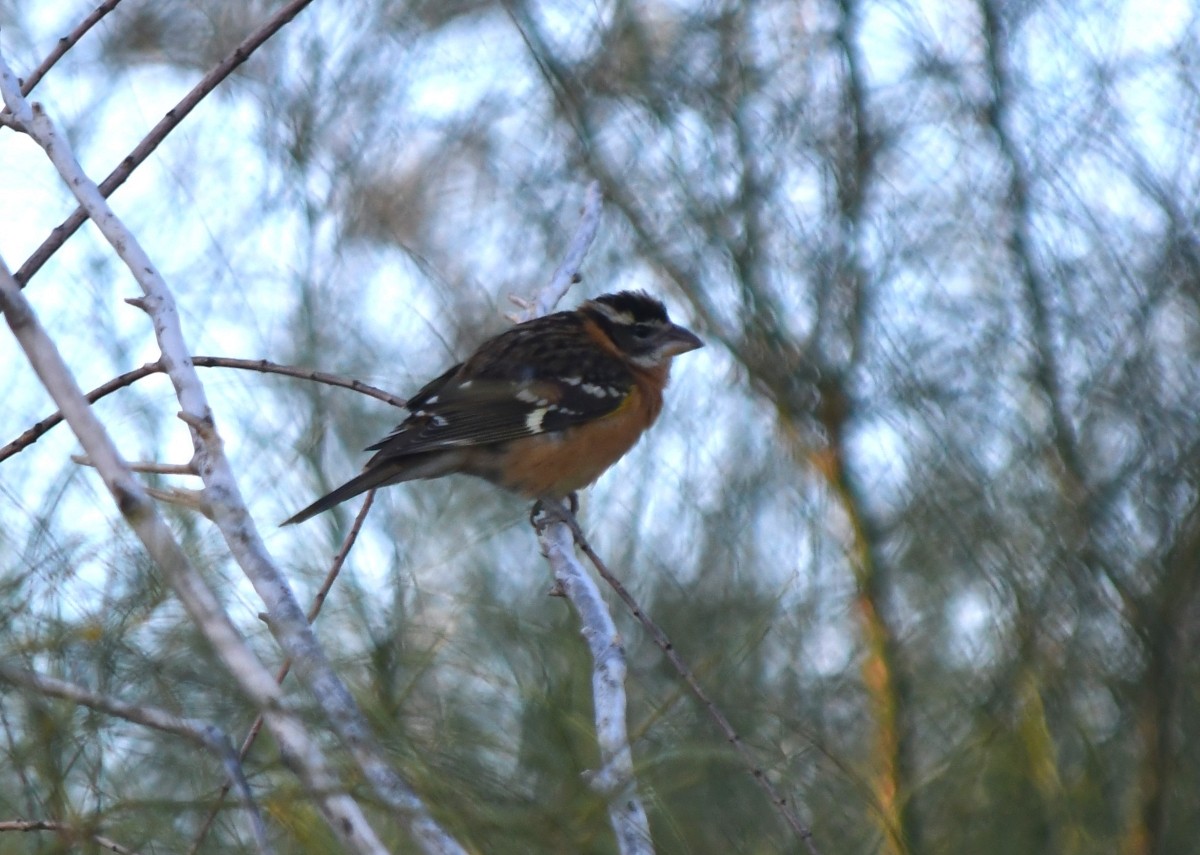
(542, 376)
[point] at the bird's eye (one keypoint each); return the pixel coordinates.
(643, 330)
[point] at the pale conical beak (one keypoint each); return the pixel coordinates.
(677, 340)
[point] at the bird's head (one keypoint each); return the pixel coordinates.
(639, 327)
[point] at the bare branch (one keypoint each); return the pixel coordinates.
(66, 43)
(159, 132)
(207, 736)
(287, 621)
(299, 751)
(313, 610)
(664, 644)
(264, 366)
(147, 467)
(615, 779)
(67, 829)
(41, 428)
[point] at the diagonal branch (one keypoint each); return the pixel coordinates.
(37, 431)
(159, 132)
(313, 610)
(286, 619)
(203, 734)
(65, 44)
(67, 830)
(301, 753)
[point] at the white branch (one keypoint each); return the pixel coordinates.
(28, 825)
(567, 274)
(298, 749)
(615, 778)
(229, 512)
(207, 736)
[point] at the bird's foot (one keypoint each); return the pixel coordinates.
(547, 511)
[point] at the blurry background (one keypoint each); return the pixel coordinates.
(923, 515)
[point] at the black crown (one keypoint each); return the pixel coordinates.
(637, 304)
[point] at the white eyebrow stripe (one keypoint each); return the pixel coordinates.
(613, 314)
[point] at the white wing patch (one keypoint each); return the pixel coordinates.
(529, 396)
(534, 420)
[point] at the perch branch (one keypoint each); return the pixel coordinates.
(615, 778)
(668, 648)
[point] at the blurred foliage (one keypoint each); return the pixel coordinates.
(923, 516)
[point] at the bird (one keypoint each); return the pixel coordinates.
(543, 409)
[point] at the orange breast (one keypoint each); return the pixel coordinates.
(553, 466)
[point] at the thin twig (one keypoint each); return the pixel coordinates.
(313, 610)
(67, 829)
(65, 44)
(146, 467)
(38, 430)
(159, 132)
(664, 643)
(206, 735)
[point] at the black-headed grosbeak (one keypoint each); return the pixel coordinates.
(542, 409)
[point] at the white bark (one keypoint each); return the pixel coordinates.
(286, 619)
(206, 735)
(301, 753)
(615, 778)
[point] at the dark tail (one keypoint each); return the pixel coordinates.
(359, 484)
